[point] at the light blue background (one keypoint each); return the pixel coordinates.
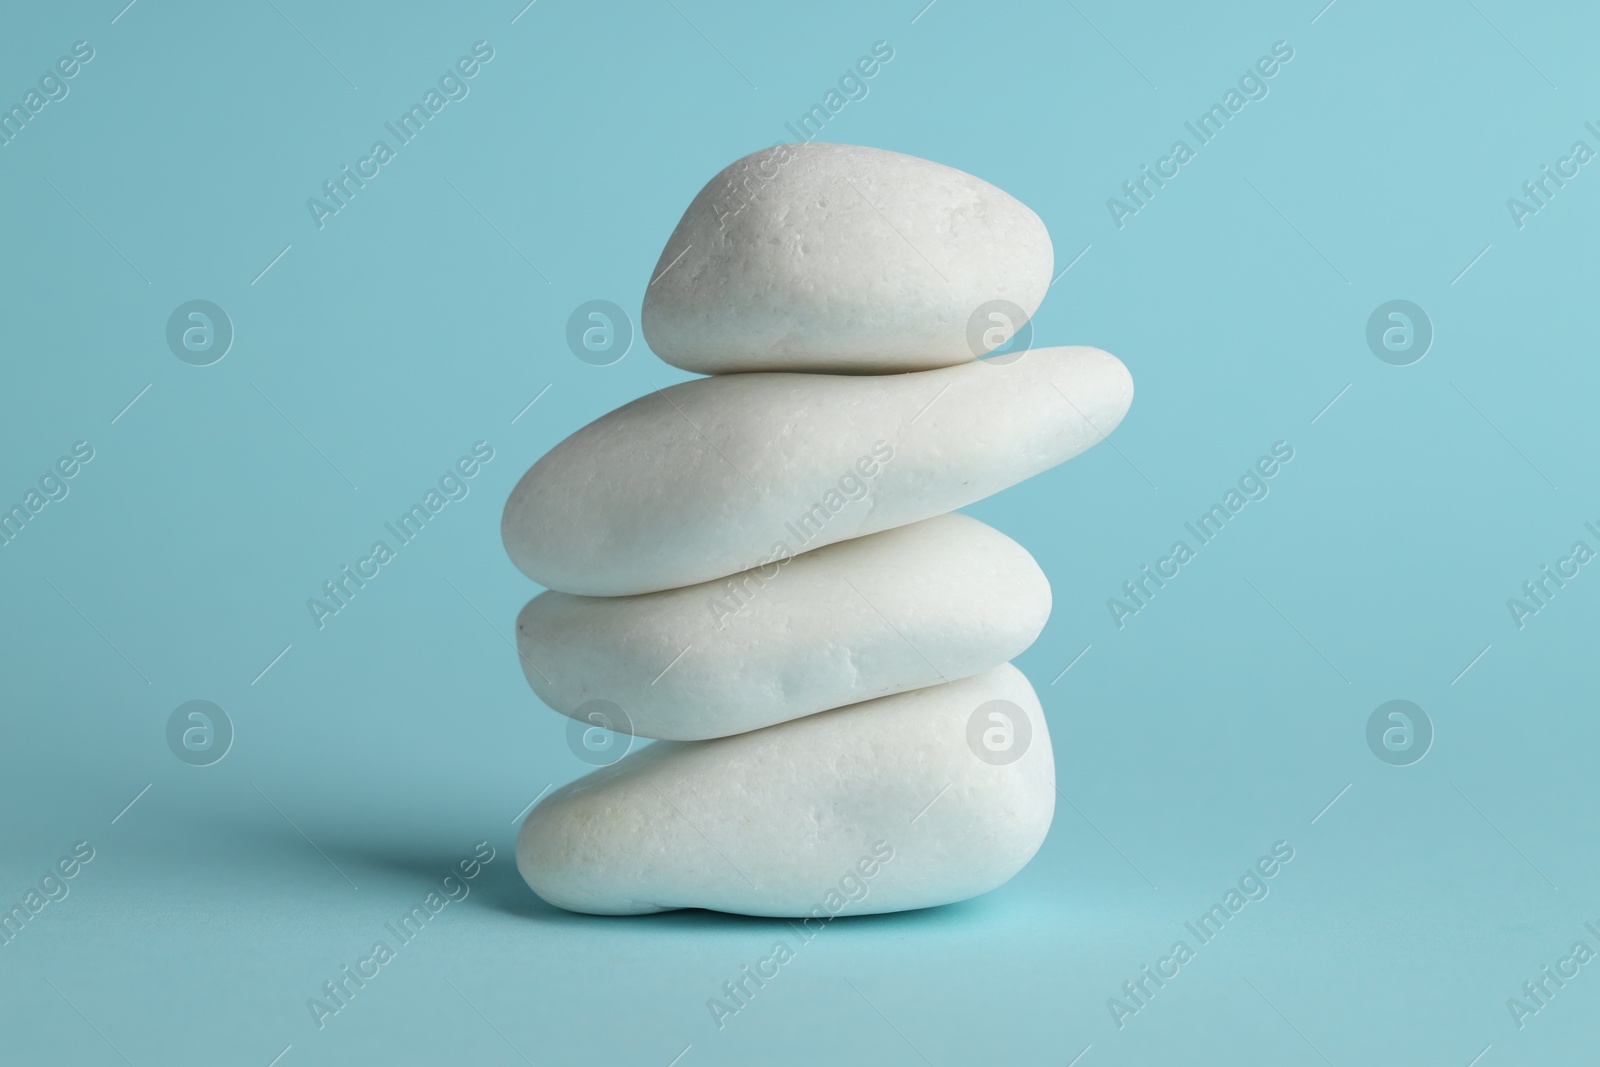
(411, 326)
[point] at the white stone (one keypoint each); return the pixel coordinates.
(714, 476)
(926, 603)
(774, 821)
(828, 257)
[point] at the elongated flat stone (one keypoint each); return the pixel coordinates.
(907, 801)
(714, 476)
(837, 258)
(922, 604)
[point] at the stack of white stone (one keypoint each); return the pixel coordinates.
(760, 566)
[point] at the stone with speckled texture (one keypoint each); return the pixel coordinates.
(839, 258)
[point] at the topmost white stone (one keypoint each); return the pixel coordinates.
(849, 260)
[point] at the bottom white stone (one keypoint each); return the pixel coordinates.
(907, 801)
